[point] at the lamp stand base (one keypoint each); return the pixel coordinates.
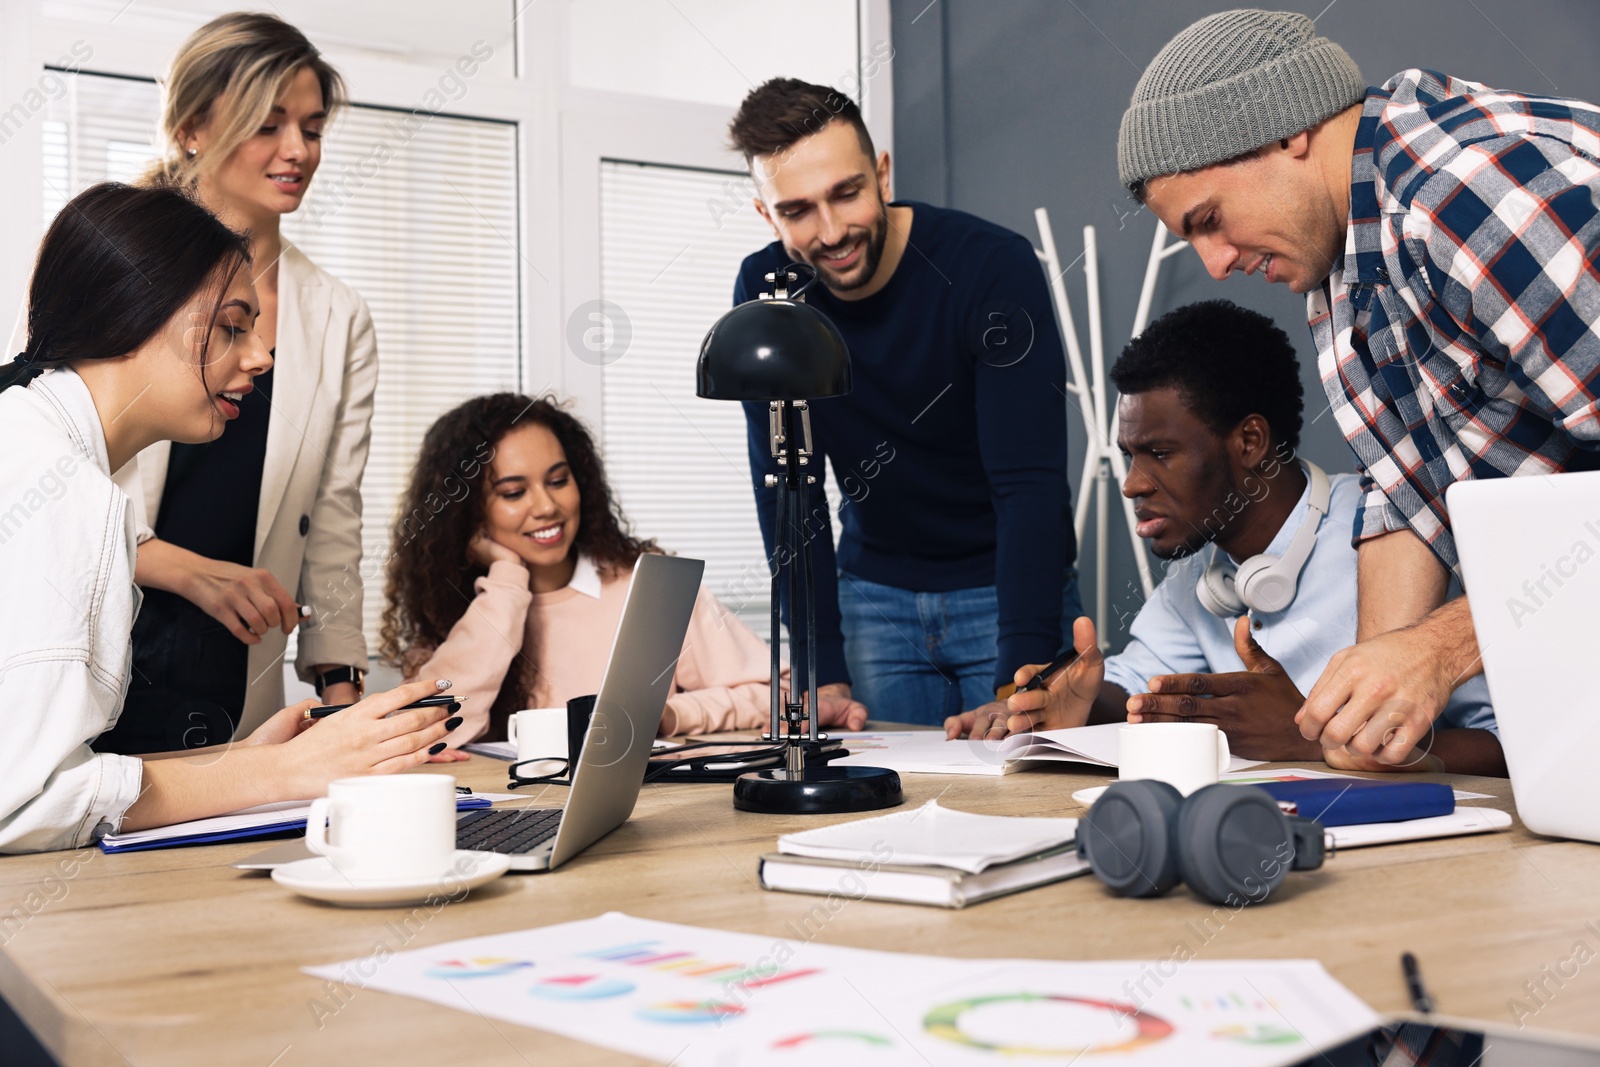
(823, 791)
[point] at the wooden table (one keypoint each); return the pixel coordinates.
(174, 958)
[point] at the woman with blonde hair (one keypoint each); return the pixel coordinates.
(236, 534)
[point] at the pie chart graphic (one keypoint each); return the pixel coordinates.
(1033, 1024)
(477, 967)
(580, 987)
(858, 1037)
(689, 1012)
(1258, 1034)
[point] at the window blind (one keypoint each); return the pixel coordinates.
(671, 243)
(427, 238)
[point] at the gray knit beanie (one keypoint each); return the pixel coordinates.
(1229, 84)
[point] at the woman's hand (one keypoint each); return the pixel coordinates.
(371, 737)
(485, 551)
(247, 600)
(285, 725)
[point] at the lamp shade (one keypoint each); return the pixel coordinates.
(768, 350)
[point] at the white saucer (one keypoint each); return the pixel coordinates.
(318, 879)
(1088, 796)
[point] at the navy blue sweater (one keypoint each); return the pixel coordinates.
(951, 449)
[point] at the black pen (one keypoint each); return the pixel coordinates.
(1419, 993)
(1040, 680)
(452, 702)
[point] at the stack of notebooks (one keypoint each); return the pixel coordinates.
(931, 855)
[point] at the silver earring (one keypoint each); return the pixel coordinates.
(191, 153)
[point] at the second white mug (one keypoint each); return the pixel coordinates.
(1185, 755)
(539, 734)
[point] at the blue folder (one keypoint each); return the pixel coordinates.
(249, 833)
(1352, 801)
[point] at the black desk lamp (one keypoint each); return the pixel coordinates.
(781, 352)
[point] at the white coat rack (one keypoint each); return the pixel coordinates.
(1102, 460)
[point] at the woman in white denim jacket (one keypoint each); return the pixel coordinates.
(140, 328)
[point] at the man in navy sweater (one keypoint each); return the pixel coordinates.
(955, 558)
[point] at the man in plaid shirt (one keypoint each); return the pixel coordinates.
(1447, 237)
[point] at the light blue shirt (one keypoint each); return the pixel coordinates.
(1175, 634)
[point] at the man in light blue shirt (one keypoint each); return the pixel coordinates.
(1253, 603)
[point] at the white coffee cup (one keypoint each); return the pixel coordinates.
(1185, 755)
(539, 734)
(386, 828)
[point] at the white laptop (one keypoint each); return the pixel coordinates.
(1530, 561)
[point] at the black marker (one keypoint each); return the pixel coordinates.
(453, 703)
(1419, 993)
(1040, 680)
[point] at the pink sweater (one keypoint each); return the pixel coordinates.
(721, 682)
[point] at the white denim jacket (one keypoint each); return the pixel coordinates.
(67, 547)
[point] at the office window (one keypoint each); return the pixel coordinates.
(710, 51)
(671, 244)
(426, 237)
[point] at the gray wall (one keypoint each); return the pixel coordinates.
(1002, 106)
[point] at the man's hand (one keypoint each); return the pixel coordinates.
(838, 708)
(1343, 759)
(1380, 697)
(1065, 703)
(1254, 707)
(988, 721)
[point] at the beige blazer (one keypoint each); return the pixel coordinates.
(308, 526)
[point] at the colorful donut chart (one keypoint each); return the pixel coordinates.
(801, 1040)
(580, 987)
(944, 1021)
(690, 1012)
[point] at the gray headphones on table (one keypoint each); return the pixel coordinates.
(1231, 843)
(1265, 582)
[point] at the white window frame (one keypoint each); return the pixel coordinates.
(599, 125)
(31, 40)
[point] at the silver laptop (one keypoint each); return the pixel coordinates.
(610, 770)
(1530, 561)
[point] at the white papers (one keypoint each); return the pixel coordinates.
(927, 752)
(1081, 744)
(1459, 822)
(232, 823)
(921, 752)
(694, 996)
(240, 823)
(932, 836)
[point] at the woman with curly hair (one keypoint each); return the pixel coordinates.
(509, 513)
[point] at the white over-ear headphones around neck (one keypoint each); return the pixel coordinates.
(1265, 582)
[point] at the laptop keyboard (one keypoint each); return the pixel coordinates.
(512, 831)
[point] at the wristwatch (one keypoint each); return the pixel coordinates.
(342, 674)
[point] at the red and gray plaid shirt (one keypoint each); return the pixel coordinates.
(1459, 335)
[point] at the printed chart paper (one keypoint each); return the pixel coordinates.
(694, 996)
